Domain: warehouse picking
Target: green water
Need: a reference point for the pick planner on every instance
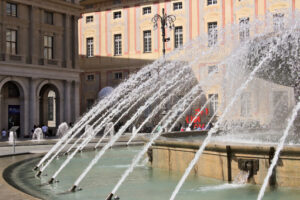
(144, 183)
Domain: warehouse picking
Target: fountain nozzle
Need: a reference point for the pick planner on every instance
(39, 173)
(110, 196)
(51, 181)
(35, 168)
(73, 189)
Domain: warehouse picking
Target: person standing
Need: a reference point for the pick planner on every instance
(3, 133)
(45, 130)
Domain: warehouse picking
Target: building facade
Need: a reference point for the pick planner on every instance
(114, 31)
(39, 74)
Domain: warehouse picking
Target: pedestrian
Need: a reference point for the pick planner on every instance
(3, 133)
(45, 130)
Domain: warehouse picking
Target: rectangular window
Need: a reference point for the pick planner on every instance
(50, 108)
(147, 41)
(146, 10)
(213, 69)
(177, 6)
(244, 28)
(89, 19)
(48, 17)
(89, 47)
(11, 9)
(212, 2)
(48, 47)
(213, 105)
(117, 15)
(11, 42)
(245, 104)
(212, 33)
(118, 75)
(118, 44)
(90, 77)
(178, 37)
(278, 21)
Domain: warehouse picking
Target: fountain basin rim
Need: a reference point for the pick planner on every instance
(260, 149)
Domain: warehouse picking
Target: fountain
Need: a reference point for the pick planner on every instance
(38, 134)
(251, 97)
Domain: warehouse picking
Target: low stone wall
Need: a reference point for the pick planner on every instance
(220, 161)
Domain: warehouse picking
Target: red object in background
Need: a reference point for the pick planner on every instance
(197, 120)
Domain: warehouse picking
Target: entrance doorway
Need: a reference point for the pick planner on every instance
(12, 106)
(49, 108)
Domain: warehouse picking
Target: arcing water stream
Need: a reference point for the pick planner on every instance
(149, 90)
(220, 120)
(279, 148)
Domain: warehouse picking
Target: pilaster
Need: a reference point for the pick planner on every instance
(33, 103)
(67, 101)
(77, 100)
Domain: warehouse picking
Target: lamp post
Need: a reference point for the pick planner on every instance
(167, 21)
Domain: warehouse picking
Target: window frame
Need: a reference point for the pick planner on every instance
(9, 7)
(177, 6)
(89, 19)
(212, 2)
(244, 31)
(48, 47)
(147, 41)
(48, 17)
(212, 68)
(278, 21)
(178, 37)
(214, 103)
(10, 42)
(50, 108)
(90, 77)
(118, 75)
(89, 47)
(117, 15)
(145, 9)
(212, 39)
(117, 44)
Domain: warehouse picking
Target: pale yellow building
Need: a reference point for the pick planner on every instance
(117, 37)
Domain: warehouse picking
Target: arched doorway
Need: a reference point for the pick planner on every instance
(12, 107)
(49, 108)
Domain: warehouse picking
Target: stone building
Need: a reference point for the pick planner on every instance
(39, 74)
(116, 37)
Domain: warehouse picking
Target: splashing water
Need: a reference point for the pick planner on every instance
(214, 129)
(279, 148)
(163, 90)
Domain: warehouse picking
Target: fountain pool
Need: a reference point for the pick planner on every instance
(145, 182)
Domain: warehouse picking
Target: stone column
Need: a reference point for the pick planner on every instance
(2, 30)
(67, 101)
(77, 100)
(34, 36)
(67, 41)
(75, 41)
(33, 103)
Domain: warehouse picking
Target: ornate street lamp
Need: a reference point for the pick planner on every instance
(167, 21)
